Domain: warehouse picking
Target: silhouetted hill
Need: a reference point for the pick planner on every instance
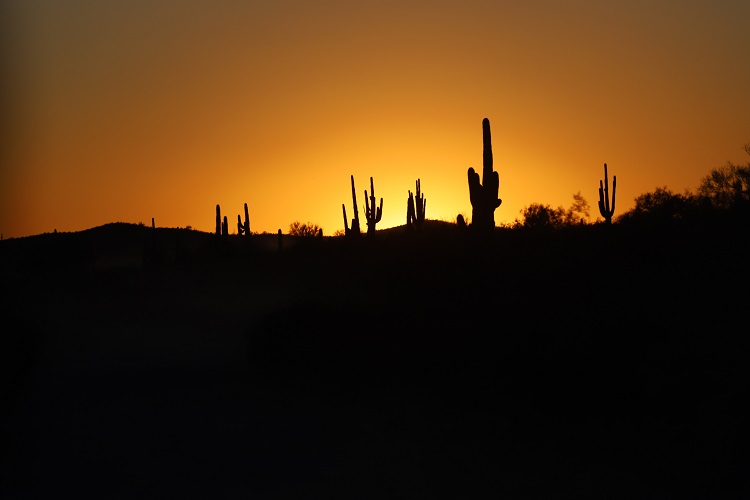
(593, 361)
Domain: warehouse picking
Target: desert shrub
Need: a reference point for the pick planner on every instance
(661, 205)
(727, 186)
(307, 229)
(538, 215)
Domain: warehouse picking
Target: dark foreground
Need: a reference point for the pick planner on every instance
(594, 363)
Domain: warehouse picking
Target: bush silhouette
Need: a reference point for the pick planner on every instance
(727, 186)
(306, 229)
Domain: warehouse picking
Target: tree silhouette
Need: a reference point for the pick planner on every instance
(727, 186)
(307, 229)
(578, 211)
(539, 215)
(660, 205)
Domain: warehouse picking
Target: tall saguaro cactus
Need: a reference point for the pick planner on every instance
(415, 209)
(372, 214)
(218, 220)
(354, 230)
(605, 208)
(483, 195)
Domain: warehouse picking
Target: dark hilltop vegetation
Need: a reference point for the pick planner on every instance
(549, 359)
(588, 361)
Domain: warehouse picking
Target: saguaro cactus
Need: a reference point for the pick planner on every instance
(483, 195)
(218, 220)
(240, 227)
(372, 214)
(225, 227)
(354, 230)
(246, 226)
(605, 208)
(415, 210)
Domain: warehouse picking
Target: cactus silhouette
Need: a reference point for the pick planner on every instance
(218, 220)
(483, 195)
(240, 227)
(372, 214)
(605, 209)
(225, 227)
(354, 230)
(415, 210)
(246, 225)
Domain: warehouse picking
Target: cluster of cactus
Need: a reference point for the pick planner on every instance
(354, 230)
(605, 208)
(415, 209)
(222, 224)
(243, 228)
(484, 195)
(373, 213)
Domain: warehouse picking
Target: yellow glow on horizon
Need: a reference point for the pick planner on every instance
(128, 113)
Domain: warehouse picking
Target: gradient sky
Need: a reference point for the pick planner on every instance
(120, 111)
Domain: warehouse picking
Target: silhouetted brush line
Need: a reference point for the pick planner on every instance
(484, 195)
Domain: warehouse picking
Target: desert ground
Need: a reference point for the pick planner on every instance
(598, 361)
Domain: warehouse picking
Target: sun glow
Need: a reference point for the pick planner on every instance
(131, 113)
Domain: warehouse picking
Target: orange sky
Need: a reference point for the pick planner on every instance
(124, 111)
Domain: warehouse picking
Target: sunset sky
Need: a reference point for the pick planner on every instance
(120, 111)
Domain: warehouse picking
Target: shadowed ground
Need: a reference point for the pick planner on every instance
(594, 362)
